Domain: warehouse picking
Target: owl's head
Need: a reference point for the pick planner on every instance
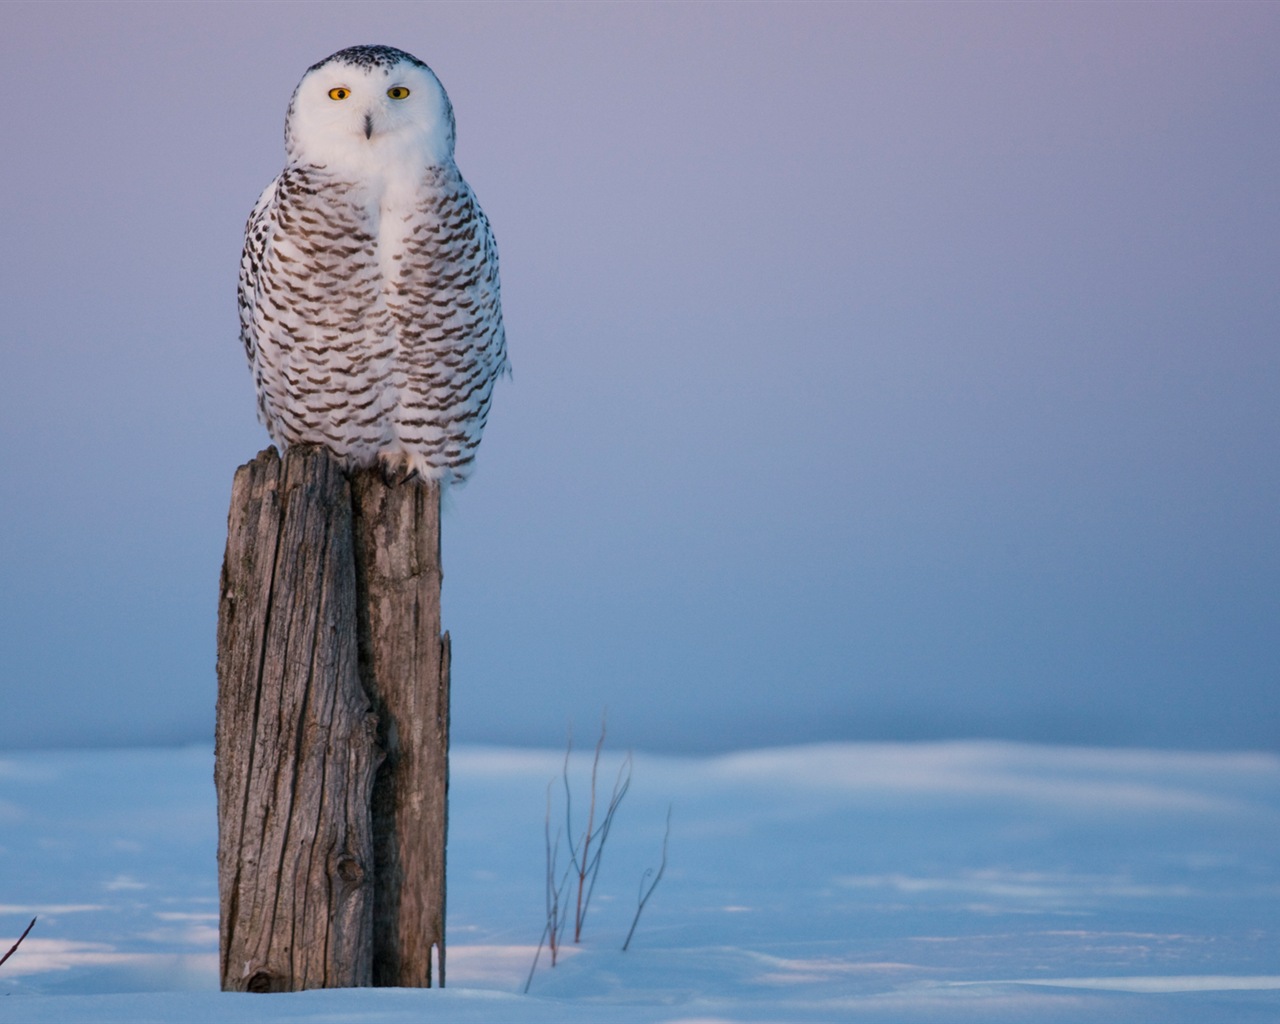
(368, 107)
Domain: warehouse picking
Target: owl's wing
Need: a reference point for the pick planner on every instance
(256, 232)
(489, 293)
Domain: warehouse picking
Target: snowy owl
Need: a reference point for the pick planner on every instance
(369, 304)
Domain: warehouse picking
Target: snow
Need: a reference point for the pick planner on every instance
(865, 882)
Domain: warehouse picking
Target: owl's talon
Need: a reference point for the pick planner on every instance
(395, 467)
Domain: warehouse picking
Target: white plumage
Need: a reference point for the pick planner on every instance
(369, 302)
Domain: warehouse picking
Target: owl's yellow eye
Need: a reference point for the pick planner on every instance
(398, 92)
(339, 93)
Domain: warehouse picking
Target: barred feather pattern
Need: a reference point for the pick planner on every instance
(371, 316)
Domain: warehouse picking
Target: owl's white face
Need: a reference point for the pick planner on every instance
(369, 116)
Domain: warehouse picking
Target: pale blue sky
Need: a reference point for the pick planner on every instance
(881, 371)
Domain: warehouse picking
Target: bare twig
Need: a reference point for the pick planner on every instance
(584, 861)
(587, 837)
(646, 893)
(553, 930)
(14, 948)
(620, 786)
(585, 852)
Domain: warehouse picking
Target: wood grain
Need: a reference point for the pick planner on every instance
(332, 730)
(404, 663)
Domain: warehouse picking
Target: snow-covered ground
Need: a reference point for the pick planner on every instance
(872, 882)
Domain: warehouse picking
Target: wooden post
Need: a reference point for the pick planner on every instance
(404, 662)
(332, 729)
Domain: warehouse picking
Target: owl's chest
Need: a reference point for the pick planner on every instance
(385, 232)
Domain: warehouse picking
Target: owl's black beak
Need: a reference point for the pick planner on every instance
(368, 126)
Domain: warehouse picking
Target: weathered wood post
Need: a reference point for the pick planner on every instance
(332, 729)
(404, 663)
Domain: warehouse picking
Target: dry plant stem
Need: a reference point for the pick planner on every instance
(555, 923)
(584, 854)
(553, 894)
(586, 839)
(537, 953)
(548, 929)
(554, 928)
(620, 786)
(14, 948)
(583, 861)
(646, 893)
